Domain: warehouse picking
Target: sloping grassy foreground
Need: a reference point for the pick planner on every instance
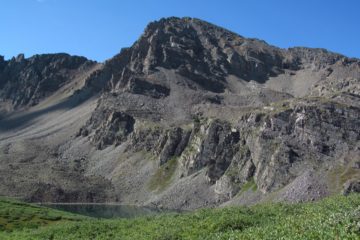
(332, 218)
(16, 215)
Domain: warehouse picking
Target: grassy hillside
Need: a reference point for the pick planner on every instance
(16, 215)
(332, 218)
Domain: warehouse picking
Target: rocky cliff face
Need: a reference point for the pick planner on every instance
(193, 115)
(25, 82)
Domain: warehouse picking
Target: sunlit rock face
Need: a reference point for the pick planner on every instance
(190, 115)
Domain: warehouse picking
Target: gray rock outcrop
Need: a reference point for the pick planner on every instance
(190, 115)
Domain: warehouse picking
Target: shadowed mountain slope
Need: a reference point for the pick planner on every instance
(190, 115)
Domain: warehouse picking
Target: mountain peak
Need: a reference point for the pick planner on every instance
(175, 25)
(190, 109)
(199, 51)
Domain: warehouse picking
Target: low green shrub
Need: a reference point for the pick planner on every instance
(332, 218)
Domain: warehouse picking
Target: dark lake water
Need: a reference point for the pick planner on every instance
(105, 210)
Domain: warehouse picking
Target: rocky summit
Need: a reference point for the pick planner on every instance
(191, 115)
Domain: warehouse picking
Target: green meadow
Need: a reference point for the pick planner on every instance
(336, 217)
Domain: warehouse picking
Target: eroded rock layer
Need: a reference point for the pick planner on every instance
(190, 115)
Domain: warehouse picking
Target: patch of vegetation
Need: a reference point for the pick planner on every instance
(280, 106)
(162, 178)
(17, 215)
(349, 173)
(249, 185)
(232, 172)
(144, 125)
(340, 174)
(333, 218)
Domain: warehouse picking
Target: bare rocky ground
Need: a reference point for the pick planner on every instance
(192, 115)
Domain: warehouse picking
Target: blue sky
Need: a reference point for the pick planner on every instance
(98, 29)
